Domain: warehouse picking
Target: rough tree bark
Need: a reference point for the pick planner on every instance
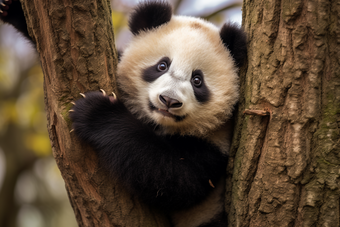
(286, 167)
(76, 46)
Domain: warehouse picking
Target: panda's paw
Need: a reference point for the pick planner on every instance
(92, 100)
(92, 95)
(94, 109)
(4, 7)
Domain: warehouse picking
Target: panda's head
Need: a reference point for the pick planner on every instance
(180, 72)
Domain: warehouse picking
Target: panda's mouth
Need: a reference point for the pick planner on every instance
(166, 113)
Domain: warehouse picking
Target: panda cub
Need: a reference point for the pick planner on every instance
(166, 133)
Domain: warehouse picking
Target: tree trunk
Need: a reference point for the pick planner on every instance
(286, 166)
(76, 46)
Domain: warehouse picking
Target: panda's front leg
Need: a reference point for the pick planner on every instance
(168, 172)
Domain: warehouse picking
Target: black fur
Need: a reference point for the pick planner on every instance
(119, 55)
(202, 93)
(151, 74)
(235, 40)
(12, 14)
(220, 220)
(149, 15)
(169, 172)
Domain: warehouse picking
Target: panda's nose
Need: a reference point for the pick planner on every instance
(170, 102)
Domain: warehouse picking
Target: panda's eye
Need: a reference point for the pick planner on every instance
(162, 66)
(197, 81)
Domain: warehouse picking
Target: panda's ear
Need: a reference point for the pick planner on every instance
(234, 38)
(149, 15)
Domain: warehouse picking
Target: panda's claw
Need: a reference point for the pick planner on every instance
(73, 103)
(71, 130)
(1, 11)
(104, 93)
(114, 95)
(3, 4)
(70, 111)
(82, 95)
(211, 184)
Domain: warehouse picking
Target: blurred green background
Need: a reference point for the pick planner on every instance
(32, 192)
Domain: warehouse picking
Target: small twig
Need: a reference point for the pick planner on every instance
(256, 112)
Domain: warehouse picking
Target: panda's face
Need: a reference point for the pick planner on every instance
(179, 76)
(177, 89)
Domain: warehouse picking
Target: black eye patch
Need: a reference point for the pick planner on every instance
(151, 73)
(201, 91)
